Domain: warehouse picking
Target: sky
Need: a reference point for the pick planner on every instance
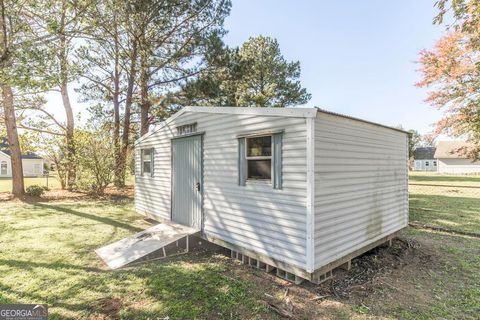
(357, 57)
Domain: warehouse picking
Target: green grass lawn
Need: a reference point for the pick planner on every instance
(53, 183)
(47, 256)
(447, 201)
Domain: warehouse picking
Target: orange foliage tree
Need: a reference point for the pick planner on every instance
(451, 70)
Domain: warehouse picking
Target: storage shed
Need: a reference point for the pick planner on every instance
(302, 190)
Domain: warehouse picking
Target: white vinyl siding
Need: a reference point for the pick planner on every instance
(425, 165)
(256, 216)
(32, 167)
(458, 166)
(360, 185)
(3, 168)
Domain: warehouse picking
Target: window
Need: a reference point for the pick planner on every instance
(36, 168)
(147, 161)
(186, 129)
(434, 163)
(259, 158)
(427, 163)
(3, 168)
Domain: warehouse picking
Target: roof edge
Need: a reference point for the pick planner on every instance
(361, 120)
(279, 112)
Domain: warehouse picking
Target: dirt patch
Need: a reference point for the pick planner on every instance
(107, 308)
(371, 276)
(370, 270)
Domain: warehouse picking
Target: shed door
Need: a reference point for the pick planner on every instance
(187, 181)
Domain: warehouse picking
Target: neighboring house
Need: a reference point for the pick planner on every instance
(302, 190)
(424, 159)
(452, 159)
(32, 163)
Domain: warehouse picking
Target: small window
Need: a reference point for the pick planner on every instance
(434, 163)
(147, 157)
(259, 158)
(427, 163)
(186, 129)
(3, 169)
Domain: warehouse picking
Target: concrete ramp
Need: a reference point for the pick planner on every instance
(137, 246)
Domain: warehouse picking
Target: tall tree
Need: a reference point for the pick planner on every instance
(21, 45)
(139, 50)
(256, 74)
(451, 70)
(268, 80)
(174, 38)
(105, 57)
(18, 188)
(110, 58)
(64, 21)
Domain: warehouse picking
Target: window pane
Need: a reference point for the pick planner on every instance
(259, 147)
(146, 154)
(146, 166)
(259, 169)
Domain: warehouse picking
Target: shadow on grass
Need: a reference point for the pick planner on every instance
(179, 290)
(455, 213)
(29, 265)
(105, 220)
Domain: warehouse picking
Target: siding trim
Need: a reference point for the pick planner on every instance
(310, 220)
(407, 202)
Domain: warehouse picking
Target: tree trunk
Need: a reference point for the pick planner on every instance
(126, 120)
(144, 101)
(18, 188)
(72, 170)
(116, 112)
(63, 60)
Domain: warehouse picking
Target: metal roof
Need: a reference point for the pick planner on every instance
(281, 112)
(361, 120)
(424, 153)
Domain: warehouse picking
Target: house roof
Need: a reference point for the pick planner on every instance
(6, 150)
(283, 112)
(452, 149)
(424, 153)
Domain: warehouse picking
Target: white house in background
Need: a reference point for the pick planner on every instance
(302, 190)
(32, 163)
(452, 159)
(424, 159)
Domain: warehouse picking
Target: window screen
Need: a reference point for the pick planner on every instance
(147, 161)
(259, 158)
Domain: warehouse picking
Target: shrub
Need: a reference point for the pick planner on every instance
(95, 160)
(35, 190)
